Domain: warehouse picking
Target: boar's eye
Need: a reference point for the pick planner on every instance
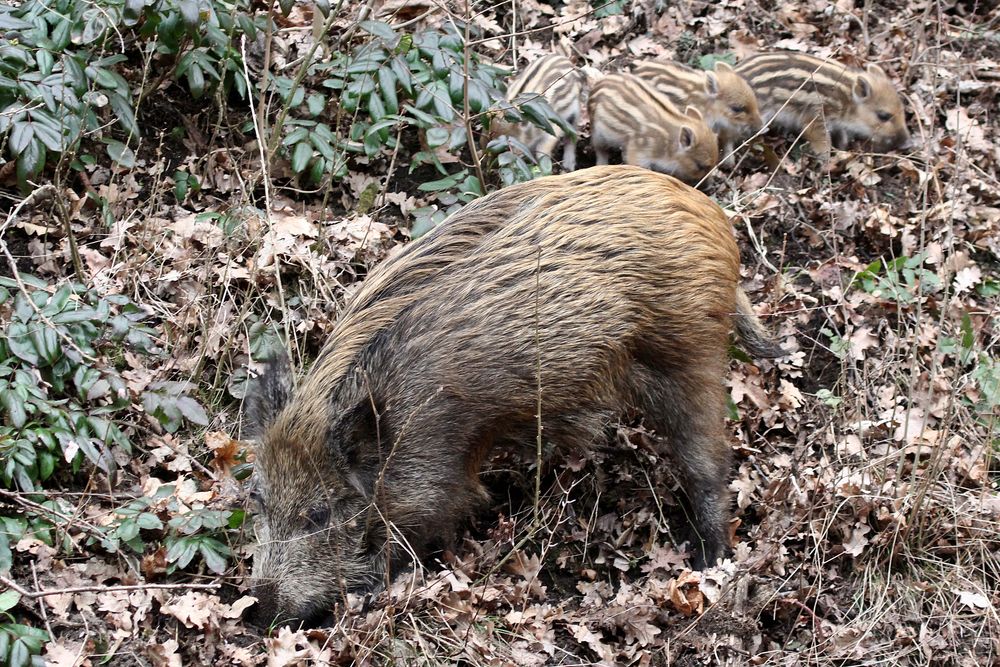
(738, 108)
(257, 501)
(884, 116)
(318, 517)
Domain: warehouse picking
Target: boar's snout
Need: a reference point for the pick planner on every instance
(265, 613)
(273, 609)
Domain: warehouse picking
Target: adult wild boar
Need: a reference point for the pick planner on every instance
(618, 283)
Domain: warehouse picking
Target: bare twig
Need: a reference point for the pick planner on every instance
(69, 521)
(538, 404)
(473, 151)
(10, 583)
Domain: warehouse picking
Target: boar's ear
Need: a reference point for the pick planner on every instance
(267, 394)
(711, 84)
(686, 137)
(355, 443)
(862, 88)
(723, 66)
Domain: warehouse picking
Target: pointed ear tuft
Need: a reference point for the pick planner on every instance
(686, 137)
(862, 88)
(875, 70)
(356, 444)
(267, 395)
(711, 84)
(692, 112)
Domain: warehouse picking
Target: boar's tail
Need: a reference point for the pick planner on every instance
(753, 337)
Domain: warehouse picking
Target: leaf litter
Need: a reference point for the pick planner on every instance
(867, 514)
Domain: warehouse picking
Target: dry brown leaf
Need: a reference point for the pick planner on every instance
(685, 594)
(194, 609)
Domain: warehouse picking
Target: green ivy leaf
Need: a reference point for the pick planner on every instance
(21, 135)
(387, 84)
(437, 136)
(301, 155)
(20, 345)
(315, 103)
(122, 107)
(46, 343)
(8, 599)
(121, 154)
(214, 553)
(192, 410)
(196, 80)
(190, 15)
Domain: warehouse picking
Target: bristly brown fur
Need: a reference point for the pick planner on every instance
(434, 363)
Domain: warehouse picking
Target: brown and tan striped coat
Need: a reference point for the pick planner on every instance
(562, 85)
(723, 97)
(627, 114)
(829, 103)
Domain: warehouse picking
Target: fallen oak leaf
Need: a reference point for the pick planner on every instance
(224, 448)
(685, 595)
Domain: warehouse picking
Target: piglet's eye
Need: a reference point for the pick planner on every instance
(737, 108)
(884, 116)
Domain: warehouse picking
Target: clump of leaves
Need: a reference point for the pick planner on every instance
(57, 85)
(20, 645)
(901, 280)
(397, 85)
(189, 532)
(60, 404)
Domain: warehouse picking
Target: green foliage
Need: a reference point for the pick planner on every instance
(190, 531)
(197, 533)
(20, 645)
(58, 83)
(708, 61)
(399, 88)
(984, 372)
(829, 398)
(390, 84)
(57, 404)
(839, 346)
(903, 280)
(128, 523)
(16, 528)
(603, 8)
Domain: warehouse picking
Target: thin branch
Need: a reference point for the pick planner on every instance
(465, 104)
(100, 589)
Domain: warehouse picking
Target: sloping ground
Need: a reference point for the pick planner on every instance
(866, 488)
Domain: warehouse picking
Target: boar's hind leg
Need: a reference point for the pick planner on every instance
(687, 409)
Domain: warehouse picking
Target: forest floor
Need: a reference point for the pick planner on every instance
(866, 501)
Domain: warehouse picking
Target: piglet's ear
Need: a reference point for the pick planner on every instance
(876, 71)
(686, 137)
(862, 88)
(267, 395)
(711, 84)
